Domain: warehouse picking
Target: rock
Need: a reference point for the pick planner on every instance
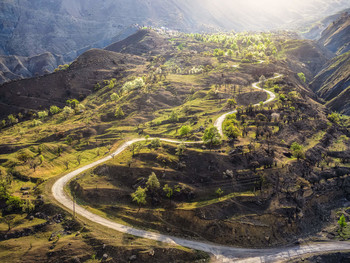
(104, 257)
(267, 238)
(31, 218)
(133, 257)
(104, 246)
(24, 188)
(77, 234)
(151, 253)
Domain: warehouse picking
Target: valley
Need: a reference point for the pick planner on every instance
(180, 147)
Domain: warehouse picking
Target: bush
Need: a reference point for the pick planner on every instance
(14, 204)
(36, 123)
(155, 143)
(174, 117)
(185, 130)
(132, 85)
(67, 111)
(43, 114)
(54, 110)
(114, 96)
(302, 77)
(119, 113)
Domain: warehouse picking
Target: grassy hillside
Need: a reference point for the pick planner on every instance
(274, 166)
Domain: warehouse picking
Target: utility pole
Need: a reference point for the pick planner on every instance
(74, 205)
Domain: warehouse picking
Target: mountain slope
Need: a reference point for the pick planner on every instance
(314, 31)
(337, 35)
(333, 81)
(63, 26)
(75, 82)
(142, 42)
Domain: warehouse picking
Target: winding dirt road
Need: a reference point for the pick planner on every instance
(221, 253)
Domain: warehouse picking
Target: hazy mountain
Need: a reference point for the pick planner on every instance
(314, 31)
(66, 26)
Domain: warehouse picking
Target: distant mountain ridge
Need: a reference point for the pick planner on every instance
(32, 27)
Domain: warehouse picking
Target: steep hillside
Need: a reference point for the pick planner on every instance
(333, 81)
(15, 67)
(305, 56)
(75, 82)
(336, 37)
(341, 103)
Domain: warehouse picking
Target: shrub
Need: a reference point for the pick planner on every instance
(54, 110)
(302, 77)
(43, 114)
(132, 85)
(184, 130)
(119, 113)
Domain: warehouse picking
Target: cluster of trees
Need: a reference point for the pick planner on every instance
(10, 204)
(244, 45)
(61, 67)
(136, 84)
(153, 188)
(231, 127)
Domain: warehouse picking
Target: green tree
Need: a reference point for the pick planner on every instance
(9, 220)
(13, 204)
(219, 192)
(174, 117)
(54, 110)
(119, 113)
(185, 130)
(211, 137)
(155, 143)
(67, 111)
(28, 206)
(12, 119)
(297, 150)
(342, 222)
(334, 117)
(231, 103)
(114, 96)
(43, 114)
(139, 197)
(153, 182)
(232, 131)
(180, 149)
(135, 148)
(302, 77)
(72, 103)
(168, 191)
